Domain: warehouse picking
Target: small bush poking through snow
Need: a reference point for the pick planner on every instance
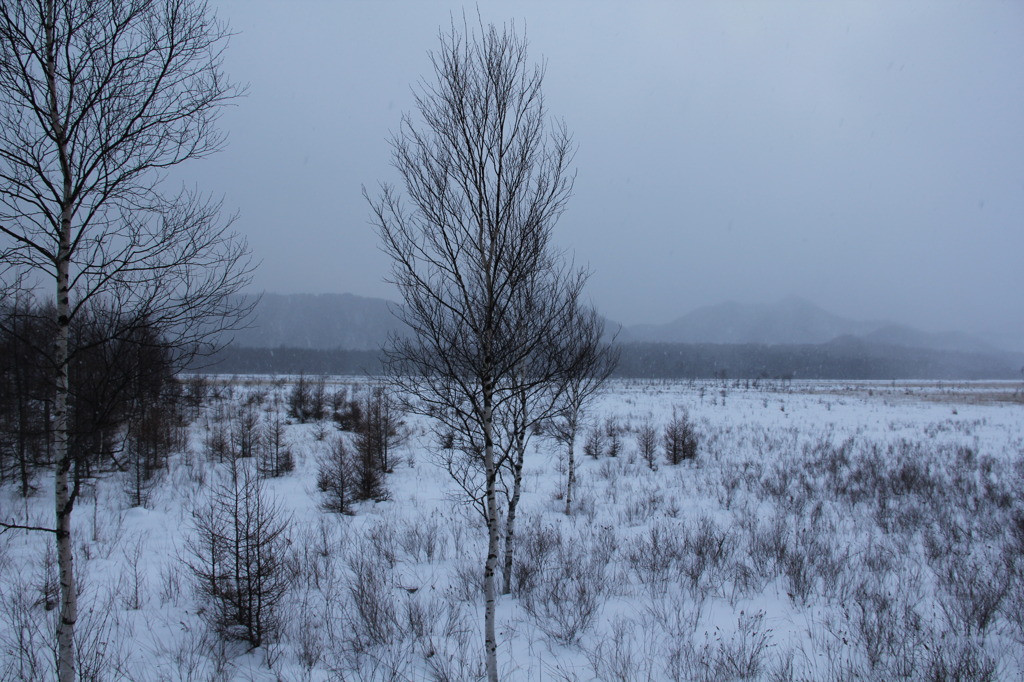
(680, 438)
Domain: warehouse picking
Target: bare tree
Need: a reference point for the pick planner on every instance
(97, 100)
(237, 556)
(377, 434)
(152, 421)
(23, 398)
(276, 457)
(336, 477)
(647, 443)
(246, 432)
(379, 430)
(515, 425)
(300, 400)
(486, 178)
(579, 359)
(595, 362)
(680, 439)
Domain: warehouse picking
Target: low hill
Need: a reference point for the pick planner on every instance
(343, 334)
(793, 320)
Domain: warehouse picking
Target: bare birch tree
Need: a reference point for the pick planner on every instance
(595, 362)
(572, 371)
(97, 101)
(535, 395)
(486, 177)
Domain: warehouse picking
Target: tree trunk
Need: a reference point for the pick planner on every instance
(64, 499)
(513, 504)
(490, 566)
(23, 427)
(571, 482)
(63, 495)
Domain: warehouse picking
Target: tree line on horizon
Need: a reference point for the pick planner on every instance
(652, 360)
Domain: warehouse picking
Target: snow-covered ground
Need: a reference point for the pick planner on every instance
(825, 531)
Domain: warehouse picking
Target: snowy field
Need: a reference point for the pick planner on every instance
(825, 531)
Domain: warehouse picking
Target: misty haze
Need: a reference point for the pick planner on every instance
(725, 154)
(846, 155)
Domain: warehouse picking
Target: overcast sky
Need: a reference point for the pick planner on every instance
(868, 156)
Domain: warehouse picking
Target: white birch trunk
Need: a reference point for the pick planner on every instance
(513, 505)
(63, 494)
(63, 498)
(490, 566)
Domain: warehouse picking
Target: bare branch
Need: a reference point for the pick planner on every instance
(97, 100)
(4, 527)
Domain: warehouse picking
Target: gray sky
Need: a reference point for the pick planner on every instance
(868, 156)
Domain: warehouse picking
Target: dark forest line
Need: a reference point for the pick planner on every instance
(842, 359)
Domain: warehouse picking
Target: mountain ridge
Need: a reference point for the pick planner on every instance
(343, 333)
(352, 322)
(794, 320)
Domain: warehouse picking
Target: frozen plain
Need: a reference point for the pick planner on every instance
(826, 530)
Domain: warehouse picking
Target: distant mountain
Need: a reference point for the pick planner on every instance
(318, 321)
(793, 320)
(343, 333)
(326, 322)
